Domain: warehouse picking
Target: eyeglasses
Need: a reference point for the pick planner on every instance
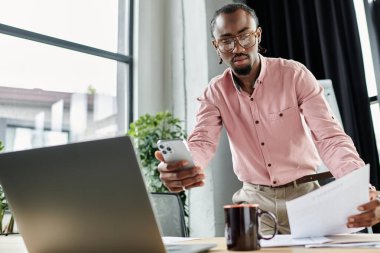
(246, 40)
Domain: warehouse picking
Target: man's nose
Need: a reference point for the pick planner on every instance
(238, 48)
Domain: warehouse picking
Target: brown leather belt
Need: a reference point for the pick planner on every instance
(307, 178)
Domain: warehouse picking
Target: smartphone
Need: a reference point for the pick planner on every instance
(175, 151)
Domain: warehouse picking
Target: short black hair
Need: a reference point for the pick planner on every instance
(231, 8)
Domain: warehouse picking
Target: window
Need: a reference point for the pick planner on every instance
(368, 57)
(65, 71)
(87, 22)
(375, 111)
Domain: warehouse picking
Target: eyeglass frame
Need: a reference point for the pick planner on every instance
(236, 40)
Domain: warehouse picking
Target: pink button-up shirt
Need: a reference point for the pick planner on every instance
(266, 130)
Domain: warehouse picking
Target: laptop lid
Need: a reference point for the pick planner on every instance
(80, 197)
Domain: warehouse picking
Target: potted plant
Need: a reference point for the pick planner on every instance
(3, 201)
(147, 130)
(4, 208)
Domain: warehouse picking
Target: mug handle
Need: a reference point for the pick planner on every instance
(274, 219)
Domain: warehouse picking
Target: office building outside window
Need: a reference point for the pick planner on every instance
(65, 71)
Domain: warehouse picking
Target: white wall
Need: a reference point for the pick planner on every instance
(225, 183)
(149, 54)
(174, 62)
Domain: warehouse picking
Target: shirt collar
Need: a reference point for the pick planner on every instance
(263, 69)
(235, 81)
(259, 79)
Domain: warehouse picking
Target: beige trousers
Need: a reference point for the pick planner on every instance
(272, 200)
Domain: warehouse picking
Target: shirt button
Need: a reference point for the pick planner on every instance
(280, 114)
(251, 99)
(257, 122)
(262, 144)
(274, 182)
(269, 164)
(332, 117)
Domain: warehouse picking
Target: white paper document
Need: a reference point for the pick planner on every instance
(287, 240)
(350, 241)
(325, 211)
(346, 245)
(12, 244)
(173, 239)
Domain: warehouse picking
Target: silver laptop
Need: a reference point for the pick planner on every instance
(82, 197)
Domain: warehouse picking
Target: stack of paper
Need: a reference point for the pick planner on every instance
(350, 241)
(333, 241)
(287, 240)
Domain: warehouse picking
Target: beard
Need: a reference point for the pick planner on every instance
(243, 71)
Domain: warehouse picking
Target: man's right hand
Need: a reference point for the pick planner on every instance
(177, 180)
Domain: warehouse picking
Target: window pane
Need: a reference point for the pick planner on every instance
(90, 22)
(366, 48)
(375, 110)
(30, 65)
(54, 95)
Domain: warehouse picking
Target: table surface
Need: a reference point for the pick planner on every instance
(15, 244)
(220, 241)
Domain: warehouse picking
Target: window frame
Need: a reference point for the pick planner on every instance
(124, 85)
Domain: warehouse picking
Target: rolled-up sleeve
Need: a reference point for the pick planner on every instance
(205, 135)
(335, 147)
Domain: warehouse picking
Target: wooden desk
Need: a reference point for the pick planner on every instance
(220, 241)
(15, 244)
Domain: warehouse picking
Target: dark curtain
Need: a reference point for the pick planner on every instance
(324, 36)
(376, 20)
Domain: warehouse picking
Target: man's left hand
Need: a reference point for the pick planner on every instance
(370, 212)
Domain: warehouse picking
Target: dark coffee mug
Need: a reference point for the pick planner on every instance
(242, 226)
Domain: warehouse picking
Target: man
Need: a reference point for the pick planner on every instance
(261, 102)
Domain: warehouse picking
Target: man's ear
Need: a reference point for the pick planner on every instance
(258, 32)
(215, 45)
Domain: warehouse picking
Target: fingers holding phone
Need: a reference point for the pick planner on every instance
(177, 169)
(179, 179)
